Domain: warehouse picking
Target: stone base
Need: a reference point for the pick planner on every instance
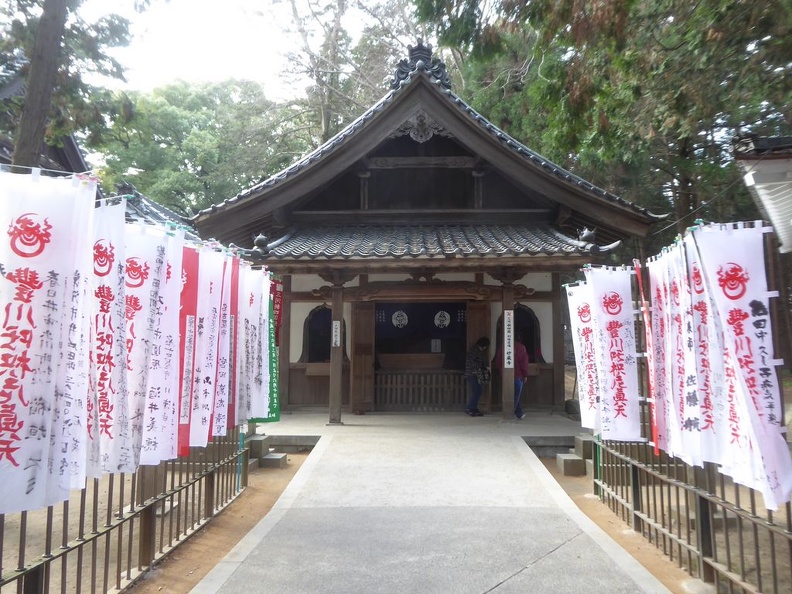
(273, 460)
(571, 464)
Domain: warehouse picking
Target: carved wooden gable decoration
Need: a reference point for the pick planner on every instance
(420, 178)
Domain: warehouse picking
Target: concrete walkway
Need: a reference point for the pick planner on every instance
(435, 503)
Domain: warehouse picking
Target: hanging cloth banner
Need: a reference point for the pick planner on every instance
(251, 344)
(262, 365)
(109, 427)
(669, 369)
(222, 381)
(734, 269)
(276, 290)
(233, 317)
(273, 400)
(650, 355)
(708, 345)
(145, 274)
(159, 427)
(170, 352)
(45, 255)
(686, 410)
(582, 327)
(211, 265)
(187, 314)
(662, 361)
(615, 345)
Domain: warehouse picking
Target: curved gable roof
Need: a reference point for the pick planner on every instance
(419, 86)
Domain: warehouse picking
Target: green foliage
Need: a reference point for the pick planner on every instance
(191, 145)
(642, 98)
(76, 105)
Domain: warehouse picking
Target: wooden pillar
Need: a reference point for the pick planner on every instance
(507, 340)
(559, 393)
(336, 354)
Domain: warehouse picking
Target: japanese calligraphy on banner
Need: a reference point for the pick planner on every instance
(582, 328)
(252, 375)
(162, 380)
(222, 383)
(684, 412)
(508, 339)
(188, 304)
(144, 278)
(273, 399)
(211, 266)
(109, 432)
(233, 316)
(615, 346)
(45, 255)
(261, 410)
(707, 338)
(108, 358)
(168, 351)
(662, 360)
(732, 260)
(276, 289)
(650, 354)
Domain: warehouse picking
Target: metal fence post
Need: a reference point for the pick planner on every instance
(635, 485)
(147, 488)
(209, 500)
(704, 525)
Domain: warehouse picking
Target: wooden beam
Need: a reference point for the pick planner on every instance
(422, 217)
(421, 162)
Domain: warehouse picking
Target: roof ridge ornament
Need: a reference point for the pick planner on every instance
(420, 59)
(421, 127)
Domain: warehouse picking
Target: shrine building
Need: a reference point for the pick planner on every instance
(405, 238)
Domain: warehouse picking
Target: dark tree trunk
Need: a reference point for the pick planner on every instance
(41, 80)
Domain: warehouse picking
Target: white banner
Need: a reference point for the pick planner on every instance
(45, 256)
(222, 387)
(145, 272)
(708, 345)
(733, 267)
(207, 332)
(162, 378)
(686, 410)
(169, 355)
(615, 345)
(661, 341)
(109, 429)
(582, 329)
(252, 350)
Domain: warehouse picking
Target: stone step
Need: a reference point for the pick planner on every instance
(273, 460)
(571, 464)
(259, 445)
(583, 445)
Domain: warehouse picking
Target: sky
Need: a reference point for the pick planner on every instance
(204, 40)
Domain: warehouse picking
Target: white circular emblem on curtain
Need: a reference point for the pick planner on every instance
(399, 319)
(442, 319)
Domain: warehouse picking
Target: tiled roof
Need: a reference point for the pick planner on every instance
(360, 123)
(423, 241)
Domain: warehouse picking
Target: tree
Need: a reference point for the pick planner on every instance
(347, 76)
(49, 47)
(664, 85)
(41, 80)
(188, 146)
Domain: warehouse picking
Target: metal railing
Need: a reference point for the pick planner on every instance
(107, 535)
(716, 530)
